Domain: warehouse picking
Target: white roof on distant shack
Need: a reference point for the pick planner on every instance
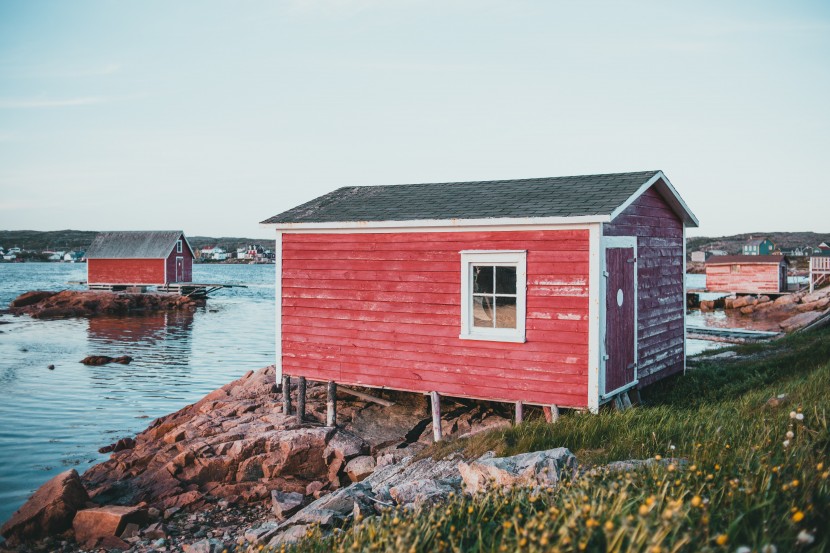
(135, 244)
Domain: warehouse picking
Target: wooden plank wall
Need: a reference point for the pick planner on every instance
(383, 309)
(753, 277)
(188, 265)
(661, 304)
(125, 271)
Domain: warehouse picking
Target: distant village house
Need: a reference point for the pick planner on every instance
(759, 246)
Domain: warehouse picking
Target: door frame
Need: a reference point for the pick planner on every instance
(179, 276)
(610, 242)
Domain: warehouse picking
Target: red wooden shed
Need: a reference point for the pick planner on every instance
(552, 291)
(137, 258)
(747, 274)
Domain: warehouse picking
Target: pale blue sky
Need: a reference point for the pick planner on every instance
(212, 116)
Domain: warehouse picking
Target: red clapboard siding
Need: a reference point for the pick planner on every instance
(660, 302)
(384, 309)
(752, 277)
(125, 271)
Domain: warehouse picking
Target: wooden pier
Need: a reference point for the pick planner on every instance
(189, 289)
(819, 271)
(730, 335)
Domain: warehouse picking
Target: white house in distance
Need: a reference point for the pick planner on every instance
(215, 253)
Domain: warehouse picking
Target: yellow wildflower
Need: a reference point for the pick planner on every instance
(696, 501)
(798, 516)
(722, 539)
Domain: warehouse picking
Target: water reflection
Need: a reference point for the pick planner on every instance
(54, 419)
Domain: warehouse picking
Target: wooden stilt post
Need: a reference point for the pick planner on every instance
(435, 400)
(286, 394)
(519, 412)
(626, 401)
(551, 413)
(300, 399)
(636, 393)
(331, 404)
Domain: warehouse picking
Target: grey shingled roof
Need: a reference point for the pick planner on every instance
(134, 244)
(745, 259)
(541, 197)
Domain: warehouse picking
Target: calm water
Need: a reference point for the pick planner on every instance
(52, 420)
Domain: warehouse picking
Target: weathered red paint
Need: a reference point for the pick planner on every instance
(619, 323)
(660, 300)
(125, 271)
(383, 309)
(153, 271)
(746, 277)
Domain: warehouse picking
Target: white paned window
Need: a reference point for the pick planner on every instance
(179, 246)
(493, 295)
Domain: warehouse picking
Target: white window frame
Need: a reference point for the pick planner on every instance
(178, 246)
(497, 258)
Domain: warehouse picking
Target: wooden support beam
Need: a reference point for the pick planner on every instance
(286, 394)
(367, 397)
(301, 399)
(551, 413)
(331, 404)
(519, 412)
(637, 400)
(626, 400)
(435, 400)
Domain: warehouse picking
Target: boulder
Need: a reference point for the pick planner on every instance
(205, 546)
(746, 310)
(360, 467)
(261, 534)
(31, 298)
(799, 321)
(91, 525)
(788, 299)
(345, 445)
(285, 504)
(49, 511)
(742, 301)
(415, 494)
(290, 535)
(816, 296)
(536, 469)
(123, 443)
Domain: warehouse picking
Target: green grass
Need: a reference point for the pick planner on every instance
(738, 484)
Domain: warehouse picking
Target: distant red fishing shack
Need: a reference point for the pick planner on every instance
(138, 258)
(747, 274)
(563, 292)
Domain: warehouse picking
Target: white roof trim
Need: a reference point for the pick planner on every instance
(440, 223)
(186, 243)
(689, 219)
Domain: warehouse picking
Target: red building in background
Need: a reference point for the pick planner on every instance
(556, 291)
(139, 258)
(747, 274)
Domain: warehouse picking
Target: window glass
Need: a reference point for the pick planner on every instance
(483, 311)
(482, 279)
(505, 312)
(494, 288)
(505, 280)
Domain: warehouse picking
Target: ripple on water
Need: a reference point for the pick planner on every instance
(53, 420)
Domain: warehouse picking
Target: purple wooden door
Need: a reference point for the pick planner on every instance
(620, 336)
(179, 269)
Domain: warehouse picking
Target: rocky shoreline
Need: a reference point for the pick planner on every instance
(786, 313)
(83, 303)
(234, 467)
